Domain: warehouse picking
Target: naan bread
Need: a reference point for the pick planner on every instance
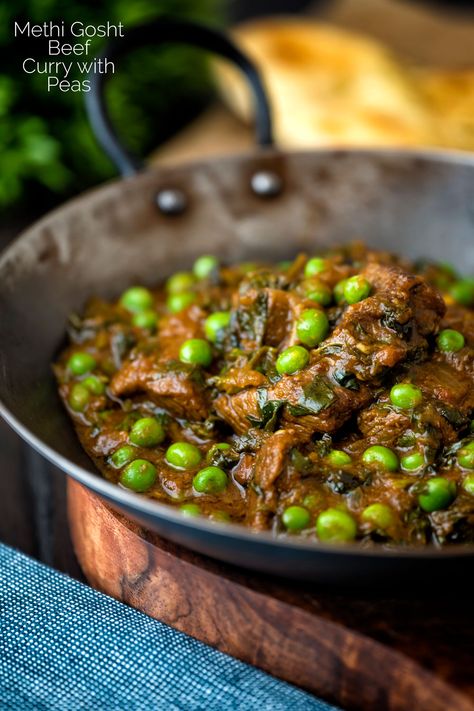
(330, 87)
(450, 95)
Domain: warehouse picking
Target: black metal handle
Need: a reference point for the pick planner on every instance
(160, 32)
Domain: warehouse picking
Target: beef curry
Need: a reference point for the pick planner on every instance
(329, 397)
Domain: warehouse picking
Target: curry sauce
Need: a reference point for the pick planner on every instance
(329, 397)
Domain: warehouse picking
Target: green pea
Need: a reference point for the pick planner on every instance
(179, 282)
(81, 363)
(94, 385)
(210, 480)
(147, 432)
(339, 295)
(312, 327)
(79, 397)
(215, 323)
(468, 484)
(316, 265)
(450, 341)
(338, 458)
(122, 456)
(136, 299)
(196, 351)
(190, 509)
(139, 475)
(295, 518)
(412, 462)
(183, 455)
(379, 515)
(335, 526)
(179, 302)
(291, 360)
(356, 289)
(204, 266)
(466, 456)
(463, 292)
(439, 493)
(405, 396)
(321, 294)
(382, 457)
(146, 320)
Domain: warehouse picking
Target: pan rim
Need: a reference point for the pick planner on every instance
(147, 507)
(440, 155)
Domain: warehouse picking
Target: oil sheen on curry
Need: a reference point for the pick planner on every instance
(330, 397)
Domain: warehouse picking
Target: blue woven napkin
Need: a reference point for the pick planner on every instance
(66, 646)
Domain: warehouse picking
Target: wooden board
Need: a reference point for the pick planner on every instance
(397, 654)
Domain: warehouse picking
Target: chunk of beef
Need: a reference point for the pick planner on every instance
(447, 386)
(235, 409)
(243, 470)
(382, 424)
(389, 326)
(175, 389)
(448, 401)
(174, 329)
(368, 341)
(365, 344)
(315, 403)
(414, 301)
(272, 458)
(284, 310)
(237, 379)
(267, 316)
(280, 317)
(270, 462)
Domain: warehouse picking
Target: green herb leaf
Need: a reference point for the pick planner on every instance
(346, 380)
(390, 320)
(453, 416)
(316, 397)
(269, 411)
(252, 320)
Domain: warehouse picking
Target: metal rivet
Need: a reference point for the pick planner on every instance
(266, 183)
(171, 202)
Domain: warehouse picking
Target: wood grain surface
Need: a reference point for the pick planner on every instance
(401, 653)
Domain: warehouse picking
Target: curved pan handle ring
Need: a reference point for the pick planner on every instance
(164, 31)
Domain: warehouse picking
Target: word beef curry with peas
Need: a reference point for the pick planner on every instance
(329, 397)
